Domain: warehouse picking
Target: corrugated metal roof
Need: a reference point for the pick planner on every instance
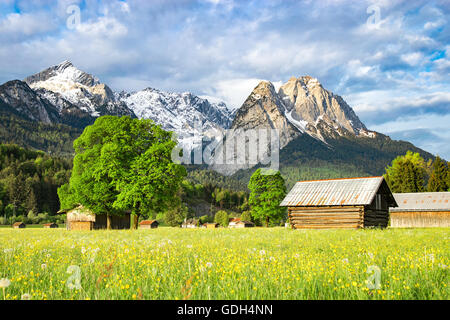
(335, 192)
(423, 201)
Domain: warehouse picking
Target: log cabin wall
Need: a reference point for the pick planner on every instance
(377, 213)
(328, 217)
(117, 222)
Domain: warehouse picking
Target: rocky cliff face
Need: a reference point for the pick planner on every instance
(301, 105)
(18, 96)
(265, 109)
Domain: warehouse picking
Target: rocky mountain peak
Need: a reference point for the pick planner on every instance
(76, 86)
(303, 104)
(264, 109)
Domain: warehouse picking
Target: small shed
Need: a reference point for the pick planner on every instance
(190, 223)
(233, 222)
(211, 225)
(243, 224)
(50, 226)
(421, 210)
(339, 203)
(149, 224)
(19, 225)
(82, 218)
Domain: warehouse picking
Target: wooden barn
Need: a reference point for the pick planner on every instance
(243, 224)
(421, 210)
(50, 226)
(149, 224)
(233, 222)
(19, 225)
(81, 218)
(339, 203)
(190, 223)
(212, 225)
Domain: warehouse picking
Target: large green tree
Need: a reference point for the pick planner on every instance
(123, 164)
(222, 218)
(438, 176)
(266, 193)
(407, 173)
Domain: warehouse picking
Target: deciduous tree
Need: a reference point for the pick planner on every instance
(266, 193)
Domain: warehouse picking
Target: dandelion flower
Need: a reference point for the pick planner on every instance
(43, 266)
(26, 296)
(4, 283)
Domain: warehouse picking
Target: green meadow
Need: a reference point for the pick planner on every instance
(256, 263)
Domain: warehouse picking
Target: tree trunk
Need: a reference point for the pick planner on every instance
(267, 222)
(135, 221)
(108, 222)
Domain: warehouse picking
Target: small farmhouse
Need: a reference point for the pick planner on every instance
(81, 218)
(243, 224)
(50, 226)
(211, 225)
(339, 203)
(190, 223)
(149, 224)
(426, 209)
(19, 225)
(233, 222)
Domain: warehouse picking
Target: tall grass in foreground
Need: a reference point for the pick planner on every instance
(277, 263)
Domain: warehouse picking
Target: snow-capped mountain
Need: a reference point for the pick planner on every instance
(176, 111)
(314, 124)
(65, 94)
(189, 116)
(66, 82)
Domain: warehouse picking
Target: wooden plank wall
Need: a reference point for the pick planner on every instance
(80, 225)
(376, 218)
(420, 219)
(342, 217)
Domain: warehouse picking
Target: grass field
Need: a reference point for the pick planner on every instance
(276, 263)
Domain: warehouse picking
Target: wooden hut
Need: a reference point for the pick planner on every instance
(190, 223)
(339, 203)
(149, 224)
(50, 226)
(233, 222)
(81, 218)
(416, 210)
(19, 225)
(243, 224)
(211, 225)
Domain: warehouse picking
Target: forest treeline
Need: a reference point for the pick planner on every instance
(28, 184)
(29, 181)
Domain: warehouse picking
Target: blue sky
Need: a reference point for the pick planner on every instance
(390, 60)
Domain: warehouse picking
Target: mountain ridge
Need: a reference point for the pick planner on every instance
(315, 124)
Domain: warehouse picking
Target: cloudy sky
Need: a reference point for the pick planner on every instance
(390, 60)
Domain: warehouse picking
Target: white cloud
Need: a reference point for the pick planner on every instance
(17, 24)
(413, 58)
